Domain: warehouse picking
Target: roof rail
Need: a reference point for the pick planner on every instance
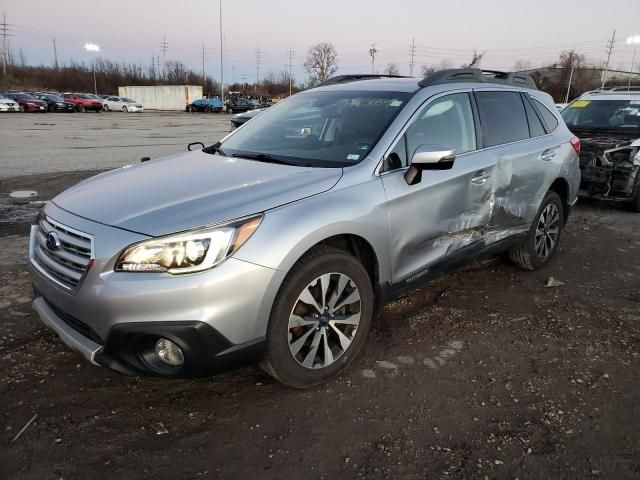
(355, 77)
(625, 89)
(476, 75)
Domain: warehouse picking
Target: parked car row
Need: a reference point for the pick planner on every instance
(12, 101)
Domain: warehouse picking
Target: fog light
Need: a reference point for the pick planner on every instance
(169, 352)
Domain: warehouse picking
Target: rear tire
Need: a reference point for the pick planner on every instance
(325, 339)
(543, 237)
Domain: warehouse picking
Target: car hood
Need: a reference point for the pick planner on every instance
(7, 101)
(190, 190)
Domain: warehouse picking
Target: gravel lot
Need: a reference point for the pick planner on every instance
(57, 142)
(485, 373)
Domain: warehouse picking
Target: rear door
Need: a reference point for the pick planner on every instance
(516, 139)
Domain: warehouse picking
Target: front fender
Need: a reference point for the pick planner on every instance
(289, 231)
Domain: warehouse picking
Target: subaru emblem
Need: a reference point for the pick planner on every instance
(53, 241)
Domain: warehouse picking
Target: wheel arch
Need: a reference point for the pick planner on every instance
(561, 186)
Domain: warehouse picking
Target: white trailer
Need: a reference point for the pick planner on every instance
(162, 97)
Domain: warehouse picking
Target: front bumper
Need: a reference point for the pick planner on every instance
(218, 317)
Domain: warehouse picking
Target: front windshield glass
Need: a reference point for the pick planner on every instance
(128, 100)
(86, 97)
(603, 115)
(25, 96)
(54, 98)
(318, 129)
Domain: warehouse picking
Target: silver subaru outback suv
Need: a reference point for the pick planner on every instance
(280, 243)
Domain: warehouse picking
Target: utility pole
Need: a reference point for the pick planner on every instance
(258, 61)
(55, 55)
(221, 58)
(610, 45)
(412, 54)
(4, 27)
(290, 70)
(153, 65)
(372, 54)
(573, 66)
(164, 46)
(203, 79)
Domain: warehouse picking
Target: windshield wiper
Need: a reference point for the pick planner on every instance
(262, 157)
(215, 148)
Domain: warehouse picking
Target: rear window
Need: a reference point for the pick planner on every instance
(502, 117)
(549, 118)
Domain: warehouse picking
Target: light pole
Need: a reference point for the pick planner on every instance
(633, 41)
(92, 47)
(221, 60)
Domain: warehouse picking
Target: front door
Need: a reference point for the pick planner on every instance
(448, 210)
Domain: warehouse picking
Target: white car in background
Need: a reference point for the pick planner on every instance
(8, 105)
(121, 104)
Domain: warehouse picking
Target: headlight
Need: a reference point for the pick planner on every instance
(60, 104)
(187, 252)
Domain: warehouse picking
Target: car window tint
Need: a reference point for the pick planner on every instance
(447, 121)
(549, 118)
(502, 117)
(535, 125)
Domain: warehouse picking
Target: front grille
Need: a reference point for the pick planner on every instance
(78, 325)
(68, 264)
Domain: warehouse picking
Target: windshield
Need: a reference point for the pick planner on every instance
(24, 96)
(54, 98)
(128, 100)
(603, 115)
(87, 97)
(319, 129)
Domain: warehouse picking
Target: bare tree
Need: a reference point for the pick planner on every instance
(392, 69)
(175, 72)
(521, 65)
(321, 62)
(444, 64)
(475, 60)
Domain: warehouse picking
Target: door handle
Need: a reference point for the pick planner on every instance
(480, 178)
(548, 154)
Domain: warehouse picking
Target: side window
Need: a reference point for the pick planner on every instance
(549, 118)
(448, 121)
(502, 117)
(535, 125)
(397, 157)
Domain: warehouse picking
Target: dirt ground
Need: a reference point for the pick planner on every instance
(486, 373)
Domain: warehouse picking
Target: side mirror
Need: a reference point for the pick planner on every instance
(194, 144)
(429, 157)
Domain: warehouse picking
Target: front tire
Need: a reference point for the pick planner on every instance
(320, 318)
(543, 237)
(81, 108)
(635, 203)
(125, 109)
(105, 107)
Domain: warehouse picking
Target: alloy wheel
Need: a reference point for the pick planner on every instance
(547, 231)
(324, 320)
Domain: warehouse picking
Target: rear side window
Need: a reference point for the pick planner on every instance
(549, 118)
(535, 125)
(502, 117)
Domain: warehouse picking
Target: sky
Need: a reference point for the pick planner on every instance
(508, 31)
